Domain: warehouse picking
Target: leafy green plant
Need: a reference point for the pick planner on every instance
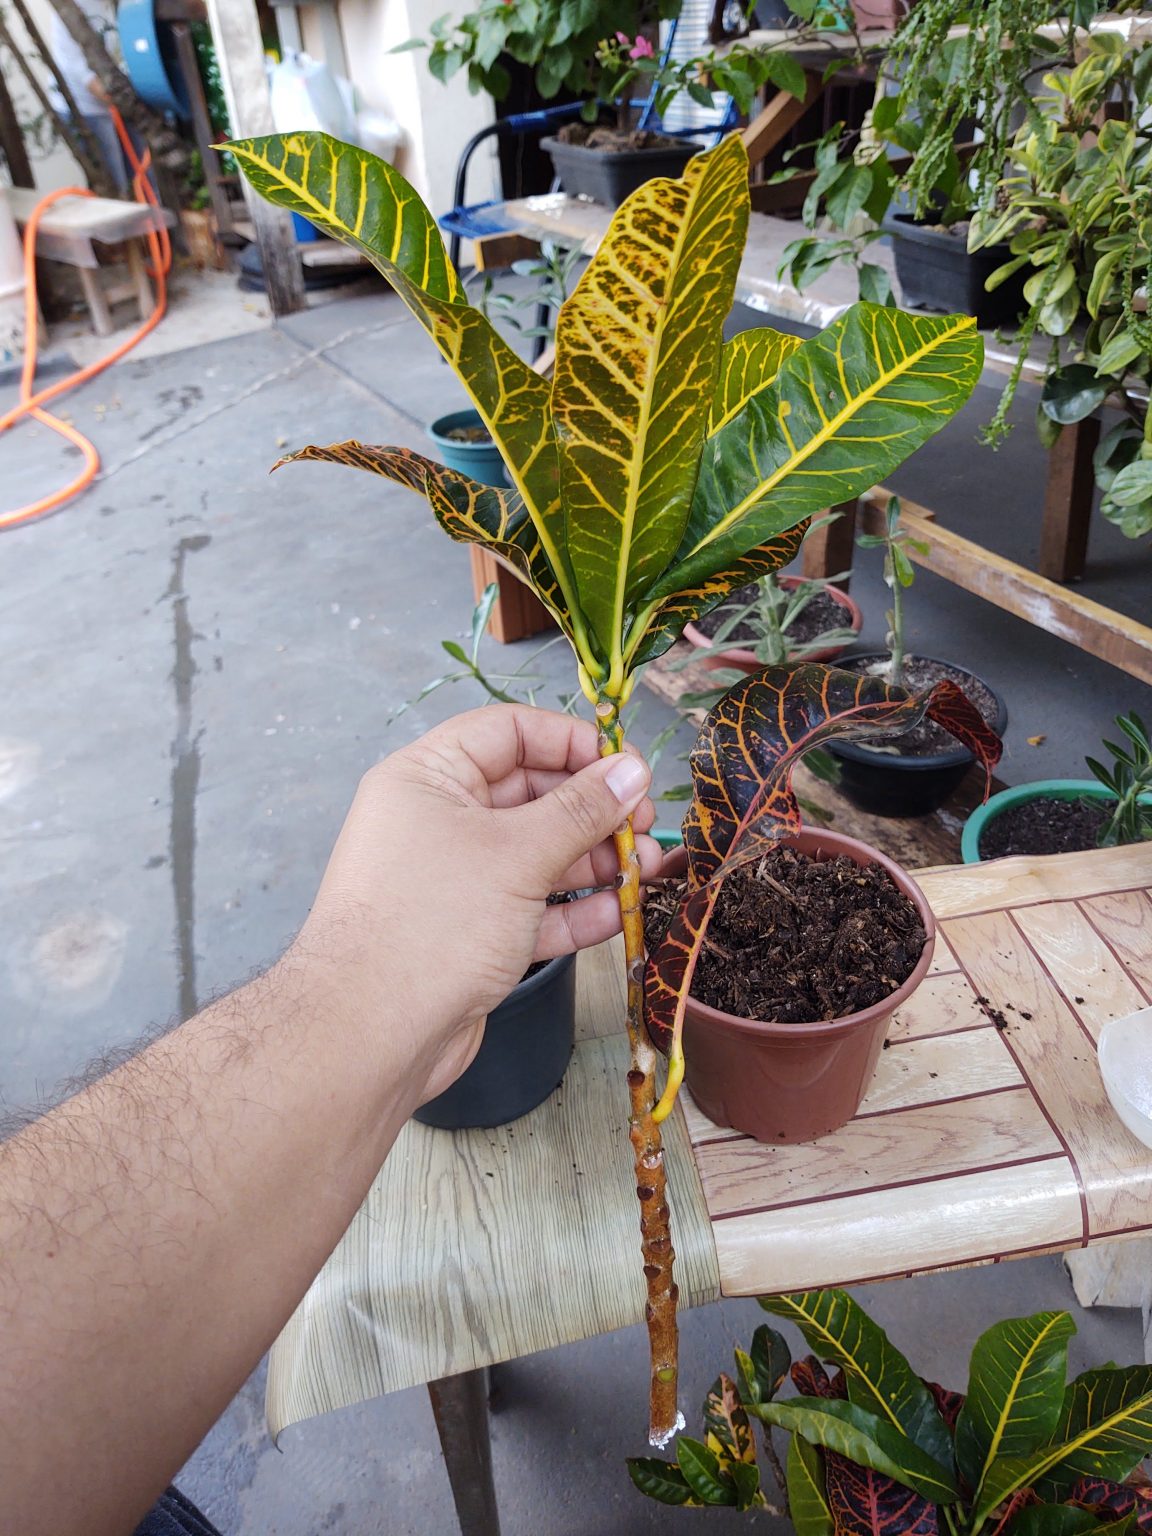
(598, 50)
(895, 541)
(1076, 209)
(553, 274)
(742, 800)
(1130, 780)
(659, 468)
(876, 1451)
(770, 613)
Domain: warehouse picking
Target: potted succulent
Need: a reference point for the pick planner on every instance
(774, 620)
(751, 984)
(915, 774)
(649, 476)
(1071, 815)
(877, 1451)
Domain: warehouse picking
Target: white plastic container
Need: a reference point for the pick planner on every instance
(1125, 1055)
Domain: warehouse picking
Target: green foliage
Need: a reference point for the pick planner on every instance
(662, 467)
(1075, 207)
(1023, 1454)
(769, 614)
(899, 574)
(553, 276)
(1129, 778)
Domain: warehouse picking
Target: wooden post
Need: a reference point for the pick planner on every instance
(1068, 502)
(517, 613)
(829, 551)
(240, 52)
(202, 126)
(460, 1405)
(781, 114)
(12, 144)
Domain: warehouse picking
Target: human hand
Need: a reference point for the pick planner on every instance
(434, 902)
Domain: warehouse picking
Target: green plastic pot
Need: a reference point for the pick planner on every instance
(667, 837)
(1041, 789)
(480, 461)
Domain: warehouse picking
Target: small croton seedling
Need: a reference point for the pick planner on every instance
(876, 1451)
(658, 469)
(743, 803)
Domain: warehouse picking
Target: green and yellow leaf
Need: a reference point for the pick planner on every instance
(1015, 1391)
(845, 408)
(748, 363)
(637, 352)
(361, 200)
(728, 1434)
(807, 1500)
(467, 511)
(877, 1374)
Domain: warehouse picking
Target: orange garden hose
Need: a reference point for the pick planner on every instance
(30, 403)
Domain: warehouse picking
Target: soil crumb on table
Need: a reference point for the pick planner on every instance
(1044, 826)
(795, 940)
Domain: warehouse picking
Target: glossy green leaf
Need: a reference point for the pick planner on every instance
(748, 363)
(764, 1368)
(846, 407)
(1053, 1520)
(1133, 484)
(1119, 352)
(359, 199)
(879, 1378)
(1015, 1391)
(1105, 1429)
(1072, 393)
(701, 1469)
(662, 1481)
(745, 1478)
(807, 1500)
(864, 1438)
(637, 351)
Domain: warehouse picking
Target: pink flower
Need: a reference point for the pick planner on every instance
(622, 37)
(641, 49)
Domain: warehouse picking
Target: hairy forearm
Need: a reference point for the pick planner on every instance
(157, 1230)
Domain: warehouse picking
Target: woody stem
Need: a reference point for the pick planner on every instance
(644, 1133)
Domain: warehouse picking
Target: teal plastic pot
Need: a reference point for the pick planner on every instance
(667, 837)
(1041, 789)
(481, 461)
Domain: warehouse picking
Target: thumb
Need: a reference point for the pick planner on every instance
(570, 820)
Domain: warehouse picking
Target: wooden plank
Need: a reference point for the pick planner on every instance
(1125, 921)
(910, 1073)
(1057, 1056)
(1090, 626)
(1094, 983)
(240, 53)
(974, 1218)
(479, 1246)
(830, 550)
(778, 117)
(1019, 882)
(898, 1151)
(1068, 495)
(601, 992)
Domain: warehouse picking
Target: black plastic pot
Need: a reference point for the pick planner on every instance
(935, 271)
(523, 1057)
(608, 177)
(890, 784)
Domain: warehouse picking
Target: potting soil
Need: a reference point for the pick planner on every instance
(1044, 826)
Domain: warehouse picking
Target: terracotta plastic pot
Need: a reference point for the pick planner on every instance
(795, 1082)
(745, 661)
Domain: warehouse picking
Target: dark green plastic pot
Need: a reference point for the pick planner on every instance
(1040, 789)
(480, 461)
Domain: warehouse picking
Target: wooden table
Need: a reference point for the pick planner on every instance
(986, 1135)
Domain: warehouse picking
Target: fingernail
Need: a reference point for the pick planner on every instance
(627, 778)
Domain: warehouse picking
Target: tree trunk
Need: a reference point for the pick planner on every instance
(12, 142)
(167, 147)
(73, 131)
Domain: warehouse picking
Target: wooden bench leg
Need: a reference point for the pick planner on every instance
(460, 1405)
(96, 301)
(518, 613)
(138, 272)
(828, 551)
(1068, 502)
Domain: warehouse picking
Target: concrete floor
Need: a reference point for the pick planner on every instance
(201, 663)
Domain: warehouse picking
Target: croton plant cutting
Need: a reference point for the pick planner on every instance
(876, 1451)
(658, 469)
